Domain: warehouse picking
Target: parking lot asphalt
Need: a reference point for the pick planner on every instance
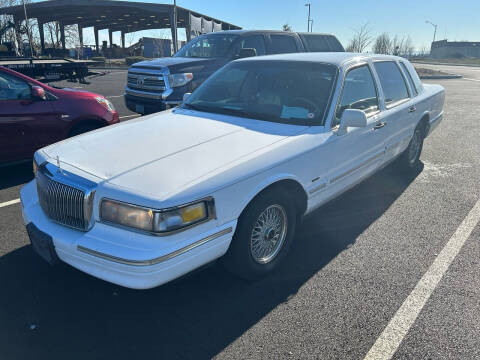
(354, 263)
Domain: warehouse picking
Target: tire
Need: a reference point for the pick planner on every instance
(244, 257)
(83, 128)
(410, 158)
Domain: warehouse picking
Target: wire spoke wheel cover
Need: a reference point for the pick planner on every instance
(268, 234)
(415, 146)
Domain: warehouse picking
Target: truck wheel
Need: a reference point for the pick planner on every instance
(410, 159)
(263, 236)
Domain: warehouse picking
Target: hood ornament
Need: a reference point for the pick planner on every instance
(59, 166)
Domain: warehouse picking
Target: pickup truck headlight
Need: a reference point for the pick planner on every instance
(156, 221)
(176, 80)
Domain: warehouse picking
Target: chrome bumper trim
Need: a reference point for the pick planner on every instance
(156, 260)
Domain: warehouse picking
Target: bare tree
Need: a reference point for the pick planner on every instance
(361, 39)
(383, 44)
(286, 27)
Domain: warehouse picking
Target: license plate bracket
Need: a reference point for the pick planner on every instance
(42, 244)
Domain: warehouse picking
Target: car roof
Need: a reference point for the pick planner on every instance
(334, 58)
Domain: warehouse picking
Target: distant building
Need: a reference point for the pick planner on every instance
(444, 49)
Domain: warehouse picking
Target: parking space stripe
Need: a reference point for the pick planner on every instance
(396, 330)
(471, 79)
(11, 202)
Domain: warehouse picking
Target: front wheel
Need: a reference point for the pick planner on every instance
(263, 237)
(410, 159)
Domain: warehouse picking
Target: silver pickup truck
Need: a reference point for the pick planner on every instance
(157, 84)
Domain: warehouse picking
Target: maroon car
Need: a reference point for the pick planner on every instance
(33, 115)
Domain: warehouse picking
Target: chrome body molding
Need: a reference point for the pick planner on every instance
(318, 188)
(365, 163)
(158, 259)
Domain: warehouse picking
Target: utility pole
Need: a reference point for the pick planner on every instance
(435, 26)
(175, 45)
(28, 28)
(308, 19)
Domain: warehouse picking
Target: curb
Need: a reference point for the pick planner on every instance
(443, 63)
(440, 77)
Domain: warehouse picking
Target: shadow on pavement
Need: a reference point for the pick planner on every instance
(13, 175)
(79, 317)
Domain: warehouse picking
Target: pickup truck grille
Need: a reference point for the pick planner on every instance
(146, 83)
(61, 203)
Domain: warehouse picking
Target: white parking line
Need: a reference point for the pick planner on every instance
(114, 96)
(128, 116)
(471, 79)
(391, 337)
(11, 202)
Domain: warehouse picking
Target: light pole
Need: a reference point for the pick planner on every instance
(28, 28)
(435, 26)
(308, 20)
(175, 43)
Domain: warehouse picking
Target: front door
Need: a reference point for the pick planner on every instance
(356, 153)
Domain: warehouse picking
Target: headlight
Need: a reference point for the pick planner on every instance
(105, 103)
(156, 221)
(176, 80)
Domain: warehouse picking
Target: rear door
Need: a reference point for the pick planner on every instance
(320, 43)
(399, 110)
(22, 119)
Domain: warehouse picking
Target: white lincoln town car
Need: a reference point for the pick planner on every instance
(229, 174)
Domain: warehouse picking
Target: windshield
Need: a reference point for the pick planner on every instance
(279, 91)
(207, 46)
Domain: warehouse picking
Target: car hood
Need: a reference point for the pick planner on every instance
(161, 154)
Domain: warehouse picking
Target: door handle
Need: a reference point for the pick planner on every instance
(412, 109)
(379, 125)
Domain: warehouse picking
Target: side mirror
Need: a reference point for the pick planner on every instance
(185, 96)
(38, 93)
(352, 118)
(246, 52)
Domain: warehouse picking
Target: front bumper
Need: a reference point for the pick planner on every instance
(126, 258)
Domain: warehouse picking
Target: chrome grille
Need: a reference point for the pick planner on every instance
(143, 82)
(61, 203)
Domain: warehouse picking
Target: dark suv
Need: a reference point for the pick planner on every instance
(156, 84)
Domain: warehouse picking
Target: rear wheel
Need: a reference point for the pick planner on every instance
(410, 159)
(263, 237)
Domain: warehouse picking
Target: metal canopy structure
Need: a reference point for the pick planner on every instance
(123, 16)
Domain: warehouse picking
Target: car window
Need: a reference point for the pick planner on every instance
(359, 92)
(282, 44)
(392, 81)
(12, 88)
(277, 91)
(256, 42)
(409, 78)
(208, 46)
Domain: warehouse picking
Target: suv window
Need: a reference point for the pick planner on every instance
(282, 44)
(256, 42)
(359, 92)
(409, 78)
(392, 81)
(321, 43)
(12, 88)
